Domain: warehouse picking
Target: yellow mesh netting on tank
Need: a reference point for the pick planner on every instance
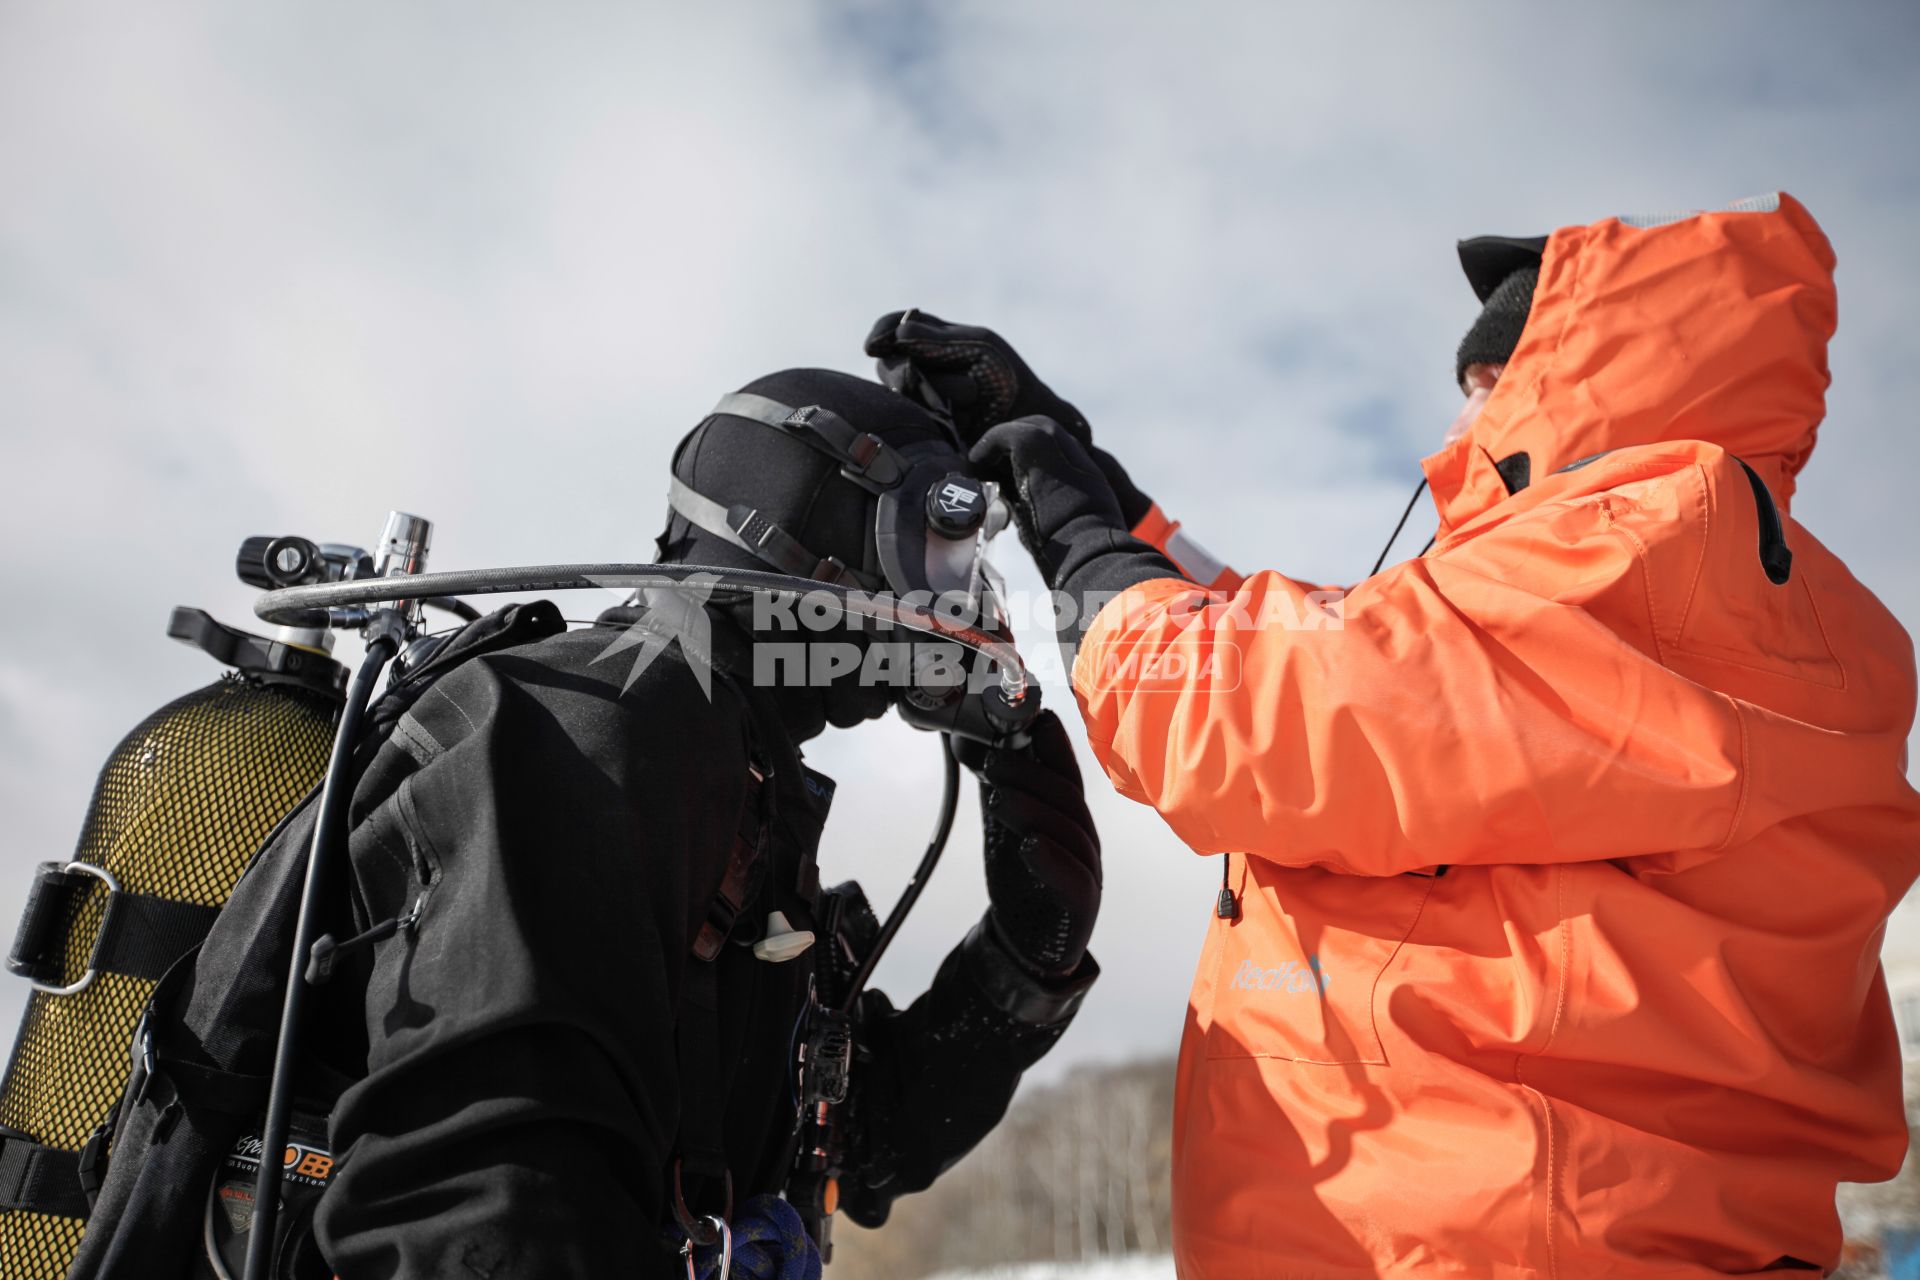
(180, 807)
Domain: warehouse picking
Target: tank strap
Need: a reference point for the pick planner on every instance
(39, 1178)
(140, 935)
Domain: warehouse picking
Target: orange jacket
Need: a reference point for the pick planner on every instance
(1637, 1025)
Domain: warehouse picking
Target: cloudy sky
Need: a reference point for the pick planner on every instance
(281, 268)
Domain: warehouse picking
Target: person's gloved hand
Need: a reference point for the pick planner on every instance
(971, 374)
(1068, 515)
(1042, 852)
(975, 377)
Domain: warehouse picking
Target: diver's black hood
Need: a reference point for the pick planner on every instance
(737, 460)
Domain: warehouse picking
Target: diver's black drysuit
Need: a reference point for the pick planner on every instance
(560, 842)
(512, 1059)
(511, 1073)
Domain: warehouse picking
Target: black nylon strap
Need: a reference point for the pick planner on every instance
(700, 1144)
(736, 878)
(863, 457)
(40, 1179)
(785, 552)
(705, 1077)
(40, 943)
(142, 935)
(754, 532)
(203, 1088)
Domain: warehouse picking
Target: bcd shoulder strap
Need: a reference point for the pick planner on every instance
(705, 1077)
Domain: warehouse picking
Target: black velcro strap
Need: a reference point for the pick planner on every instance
(699, 1147)
(40, 943)
(40, 1179)
(142, 935)
(204, 1088)
(700, 1144)
(736, 879)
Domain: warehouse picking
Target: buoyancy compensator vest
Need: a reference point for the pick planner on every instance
(180, 807)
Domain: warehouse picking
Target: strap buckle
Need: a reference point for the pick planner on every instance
(861, 453)
(93, 1157)
(856, 454)
(832, 569)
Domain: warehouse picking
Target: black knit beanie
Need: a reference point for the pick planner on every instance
(1503, 271)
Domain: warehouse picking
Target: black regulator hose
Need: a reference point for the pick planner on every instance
(942, 828)
(329, 833)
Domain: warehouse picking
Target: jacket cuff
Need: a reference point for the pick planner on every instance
(1167, 536)
(1017, 993)
(1155, 527)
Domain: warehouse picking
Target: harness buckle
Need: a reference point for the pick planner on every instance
(860, 454)
(832, 569)
(93, 1157)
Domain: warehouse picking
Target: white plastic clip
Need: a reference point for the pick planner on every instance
(782, 941)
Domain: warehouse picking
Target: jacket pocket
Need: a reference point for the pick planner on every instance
(1295, 974)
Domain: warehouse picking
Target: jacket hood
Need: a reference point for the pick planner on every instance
(1699, 326)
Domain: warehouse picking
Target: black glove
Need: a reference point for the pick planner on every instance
(976, 378)
(1042, 854)
(1068, 515)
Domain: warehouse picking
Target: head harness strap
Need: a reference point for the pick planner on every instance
(745, 527)
(864, 458)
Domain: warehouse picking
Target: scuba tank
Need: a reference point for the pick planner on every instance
(180, 807)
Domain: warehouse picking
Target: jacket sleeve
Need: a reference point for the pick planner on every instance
(549, 945)
(1500, 701)
(936, 1077)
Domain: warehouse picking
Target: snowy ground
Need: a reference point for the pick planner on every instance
(1155, 1267)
